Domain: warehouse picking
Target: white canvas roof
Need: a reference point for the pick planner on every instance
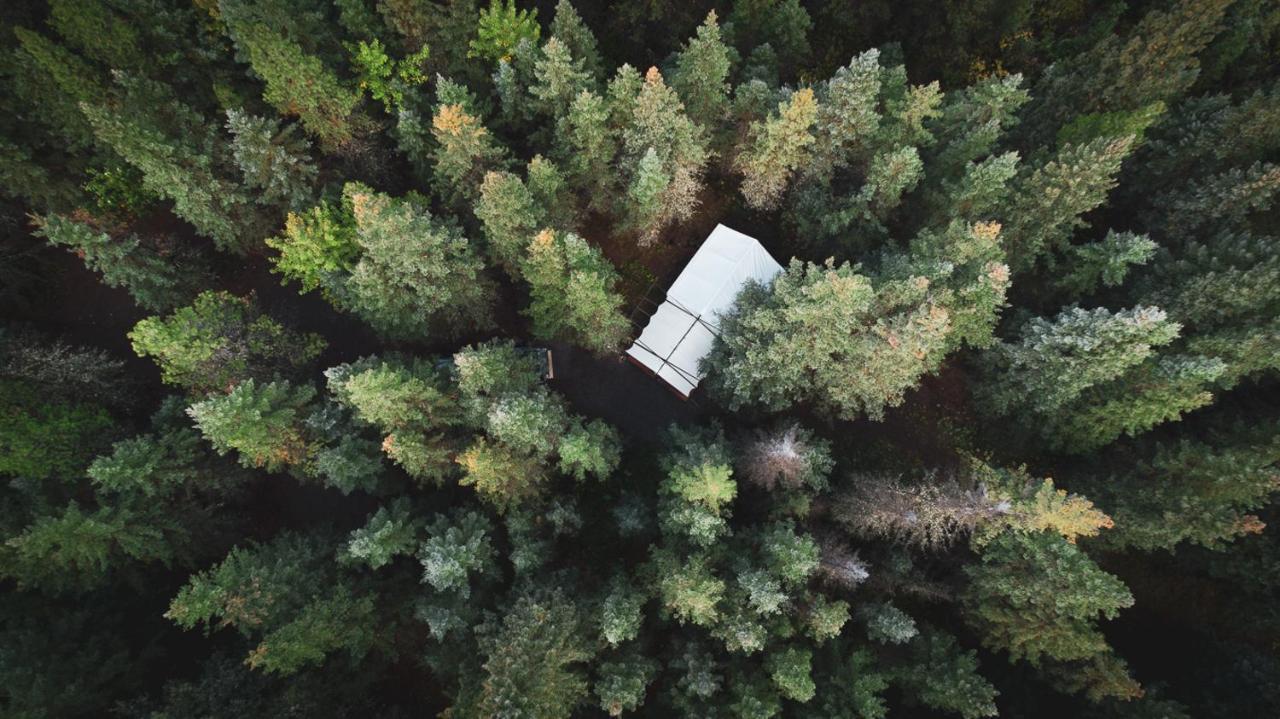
(681, 331)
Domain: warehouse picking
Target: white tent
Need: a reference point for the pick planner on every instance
(681, 331)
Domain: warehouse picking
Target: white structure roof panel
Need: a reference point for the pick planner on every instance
(680, 333)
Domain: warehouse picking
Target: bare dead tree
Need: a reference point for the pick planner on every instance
(788, 456)
(928, 514)
(838, 565)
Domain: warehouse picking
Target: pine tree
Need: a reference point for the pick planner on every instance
(220, 340)
(510, 217)
(501, 28)
(660, 140)
(1046, 205)
(1156, 62)
(318, 249)
(848, 116)
(263, 424)
(790, 670)
(1104, 263)
(812, 325)
(550, 189)
(783, 24)
(148, 273)
(1223, 200)
(776, 148)
(1055, 361)
(572, 295)
(178, 155)
(945, 677)
(457, 553)
(410, 405)
(513, 83)
(100, 32)
(621, 685)
(698, 489)
(1210, 132)
(274, 161)
(568, 27)
(1157, 391)
(416, 274)
(285, 594)
(74, 76)
(974, 119)
(586, 147)
(1199, 488)
(531, 659)
(702, 73)
(42, 438)
(964, 264)
(558, 78)
(464, 154)
(590, 449)
(390, 532)
(77, 549)
(298, 83)
(1038, 597)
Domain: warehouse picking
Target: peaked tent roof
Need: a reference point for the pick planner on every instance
(681, 331)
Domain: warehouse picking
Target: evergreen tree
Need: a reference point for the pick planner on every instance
(1151, 394)
(1105, 263)
(794, 342)
(776, 148)
(1193, 489)
(1046, 205)
(661, 141)
(180, 158)
(416, 274)
(410, 405)
(587, 147)
(550, 188)
(147, 272)
(318, 249)
(702, 73)
(698, 488)
(568, 27)
(1037, 596)
(220, 340)
(943, 676)
(782, 24)
(284, 593)
(965, 265)
(530, 660)
(558, 78)
(465, 152)
(273, 160)
(1157, 61)
(501, 28)
(973, 120)
(1089, 377)
(298, 83)
(1226, 200)
(621, 685)
(510, 217)
(263, 424)
(572, 293)
(1055, 361)
(42, 438)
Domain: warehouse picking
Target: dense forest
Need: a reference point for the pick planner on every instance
(313, 400)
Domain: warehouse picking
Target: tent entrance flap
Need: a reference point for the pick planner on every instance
(681, 331)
